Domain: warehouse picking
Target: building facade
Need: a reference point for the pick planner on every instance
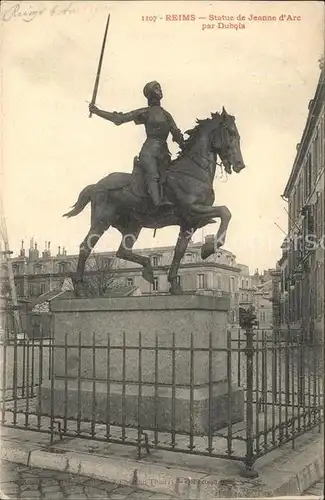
(302, 262)
(37, 273)
(257, 291)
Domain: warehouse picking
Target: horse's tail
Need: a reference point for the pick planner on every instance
(83, 199)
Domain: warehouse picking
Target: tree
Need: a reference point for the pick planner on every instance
(247, 318)
(99, 276)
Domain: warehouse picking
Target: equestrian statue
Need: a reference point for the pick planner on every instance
(161, 192)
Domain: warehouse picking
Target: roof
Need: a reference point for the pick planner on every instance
(48, 296)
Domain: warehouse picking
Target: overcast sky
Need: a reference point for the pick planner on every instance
(264, 74)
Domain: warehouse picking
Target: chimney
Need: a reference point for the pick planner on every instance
(45, 252)
(33, 253)
(59, 252)
(209, 238)
(22, 250)
(49, 248)
(36, 251)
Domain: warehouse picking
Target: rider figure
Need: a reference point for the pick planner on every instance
(158, 124)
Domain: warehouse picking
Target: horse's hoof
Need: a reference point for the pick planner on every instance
(78, 288)
(175, 289)
(207, 249)
(147, 274)
(79, 291)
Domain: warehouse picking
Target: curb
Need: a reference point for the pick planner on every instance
(160, 479)
(129, 473)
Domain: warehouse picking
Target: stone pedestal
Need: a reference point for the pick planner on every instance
(98, 342)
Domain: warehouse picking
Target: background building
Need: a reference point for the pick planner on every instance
(40, 273)
(302, 261)
(257, 291)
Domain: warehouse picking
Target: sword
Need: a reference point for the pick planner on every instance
(93, 99)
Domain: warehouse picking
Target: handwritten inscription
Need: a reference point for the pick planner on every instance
(28, 14)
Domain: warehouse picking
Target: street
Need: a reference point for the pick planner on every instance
(22, 482)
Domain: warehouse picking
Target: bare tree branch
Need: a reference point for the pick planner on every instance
(99, 276)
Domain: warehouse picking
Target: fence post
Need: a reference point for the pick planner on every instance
(249, 352)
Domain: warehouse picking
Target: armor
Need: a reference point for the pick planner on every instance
(158, 124)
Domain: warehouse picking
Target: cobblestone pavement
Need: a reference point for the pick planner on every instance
(22, 482)
(316, 489)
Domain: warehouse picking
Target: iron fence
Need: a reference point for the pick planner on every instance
(239, 401)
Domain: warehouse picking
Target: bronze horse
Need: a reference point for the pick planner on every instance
(120, 200)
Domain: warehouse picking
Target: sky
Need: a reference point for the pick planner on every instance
(264, 74)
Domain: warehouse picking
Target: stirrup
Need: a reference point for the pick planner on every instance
(165, 203)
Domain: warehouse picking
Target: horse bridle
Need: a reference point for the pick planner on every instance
(224, 145)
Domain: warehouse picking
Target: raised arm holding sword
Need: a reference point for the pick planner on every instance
(158, 124)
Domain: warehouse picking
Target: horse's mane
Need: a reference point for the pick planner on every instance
(192, 134)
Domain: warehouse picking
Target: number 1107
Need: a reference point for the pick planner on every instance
(149, 18)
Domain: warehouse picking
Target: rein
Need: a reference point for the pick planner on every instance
(221, 165)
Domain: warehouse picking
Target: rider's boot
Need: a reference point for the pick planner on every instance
(154, 192)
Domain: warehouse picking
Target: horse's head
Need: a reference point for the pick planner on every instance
(225, 141)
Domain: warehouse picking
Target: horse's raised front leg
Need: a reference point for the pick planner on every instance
(130, 235)
(224, 214)
(180, 249)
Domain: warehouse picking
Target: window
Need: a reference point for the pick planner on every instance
(299, 200)
(219, 282)
(20, 288)
(314, 157)
(155, 285)
(37, 269)
(105, 264)
(178, 280)
(34, 289)
(42, 288)
(189, 257)
(262, 316)
(232, 284)
(62, 267)
(294, 204)
(200, 281)
(16, 268)
(233, 316)
(130, 281)
(243, 283)
(309, 174)
(155, 261)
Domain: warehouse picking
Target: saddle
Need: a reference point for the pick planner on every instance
(135, 181)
